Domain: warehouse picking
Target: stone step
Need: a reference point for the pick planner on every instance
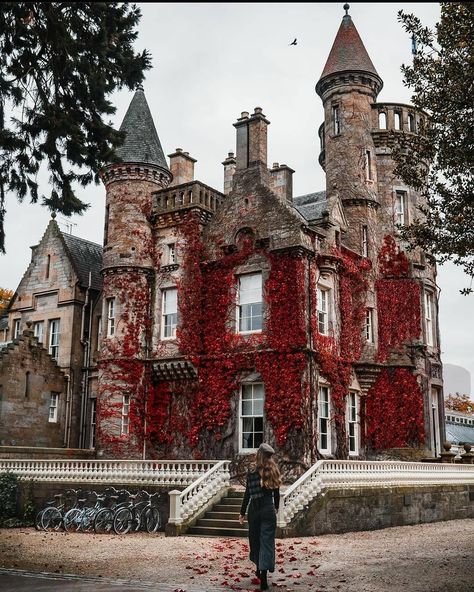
(234, 494)
(218, 523)
(231, 501)
(222, 515)
(217, 531)
(226, 508)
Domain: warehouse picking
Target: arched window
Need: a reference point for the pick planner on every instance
(397, 120)
(382, 120)
(411, 122)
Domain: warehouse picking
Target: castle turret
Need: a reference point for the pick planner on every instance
(348, 86)
(129, 262)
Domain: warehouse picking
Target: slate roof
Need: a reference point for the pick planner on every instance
(312, 206)
(3, 323)
(457, 433)
(85, 256)
(348, 51)
(141, 143)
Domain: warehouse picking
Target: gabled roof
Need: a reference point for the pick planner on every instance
(348, 52)
(85, 256)
(312, 206)
(141, 143)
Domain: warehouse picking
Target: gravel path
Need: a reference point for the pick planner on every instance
(435, 557)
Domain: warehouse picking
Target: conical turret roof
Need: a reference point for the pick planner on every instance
(141, 143)
(348, 51)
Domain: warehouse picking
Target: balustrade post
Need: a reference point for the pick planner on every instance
(175, 507)
(281, 522)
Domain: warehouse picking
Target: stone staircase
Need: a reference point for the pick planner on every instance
(222, 519)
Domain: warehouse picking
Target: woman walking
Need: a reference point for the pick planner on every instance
(263, 492)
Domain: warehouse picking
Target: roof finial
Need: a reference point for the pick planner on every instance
(53, 215)
(139, 86)
(346, 8)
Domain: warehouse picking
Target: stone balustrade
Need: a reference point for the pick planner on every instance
(341, 474)
(139, 472)
(187, 503)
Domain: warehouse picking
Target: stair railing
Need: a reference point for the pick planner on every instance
(185, 504)
(358, 473)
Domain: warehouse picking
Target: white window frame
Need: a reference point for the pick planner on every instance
(251, 387)
(353, 425)
(400, 208)
(171, 253)
(429, 318)
(365, 241)
(54, 334)
(323, 309)
(336, 120)
(324, 419)
(242, 301)
(53, 408)
(169, 318)
(16, 328)
(110, 303)
(38, 330)
(125, 416)
(369, 325)
(93, 423)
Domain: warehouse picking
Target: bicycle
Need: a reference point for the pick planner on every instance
(51, 517)
(138, 514)
(103, 520)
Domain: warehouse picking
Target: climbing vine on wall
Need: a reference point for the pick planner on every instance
(398, 301)
(394, 411)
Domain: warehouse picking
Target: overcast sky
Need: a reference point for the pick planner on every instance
(213, 61)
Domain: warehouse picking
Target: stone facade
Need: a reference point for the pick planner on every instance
(252, 313)
(32, 395)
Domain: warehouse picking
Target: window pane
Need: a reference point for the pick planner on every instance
(258, 439)
(258, 407)
(250, 288)
(247, 407)
(170, 301)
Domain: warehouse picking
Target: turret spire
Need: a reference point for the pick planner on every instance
(141, 144)
(348, 52)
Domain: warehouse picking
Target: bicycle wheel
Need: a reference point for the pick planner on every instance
(51, 519)
(73, 520)
(152, 519)
(122, 521)
(39, 515)
(103, 521)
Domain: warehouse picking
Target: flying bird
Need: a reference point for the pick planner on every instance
(293, 42)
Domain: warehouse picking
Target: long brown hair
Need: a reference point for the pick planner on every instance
(268, 470)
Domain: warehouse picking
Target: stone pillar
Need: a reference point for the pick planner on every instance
(181, 167)
(282, 181)
(229, 170)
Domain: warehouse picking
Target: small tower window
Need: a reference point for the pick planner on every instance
(48, 265)
(397, 120)
(368, 165)
(110, 317)
(106, 224)
(336, 120)
(411, 123)
(382, 120)
(365, 241)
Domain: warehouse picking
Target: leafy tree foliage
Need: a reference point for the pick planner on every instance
(459, 402)
(59, 61)
(5, 297)
(439, 160)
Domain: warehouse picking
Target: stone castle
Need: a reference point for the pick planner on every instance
(211, 320)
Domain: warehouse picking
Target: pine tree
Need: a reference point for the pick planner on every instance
(59, 62)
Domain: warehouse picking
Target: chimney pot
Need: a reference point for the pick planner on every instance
(258, 110)
(275, 165)
(178, 150)
(244, 115)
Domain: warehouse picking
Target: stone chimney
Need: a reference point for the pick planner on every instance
(181, 167)
(282, 181)
(229, 170)
(251, 139)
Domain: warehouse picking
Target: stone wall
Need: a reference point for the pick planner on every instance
(349, 510)
(28, 377)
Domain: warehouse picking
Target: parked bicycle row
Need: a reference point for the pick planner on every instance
(111, 510)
